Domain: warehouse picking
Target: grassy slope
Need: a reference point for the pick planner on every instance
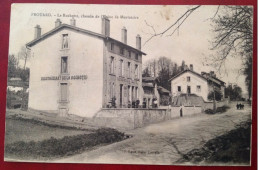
(234, 146)
(29, 130)
(68, 145)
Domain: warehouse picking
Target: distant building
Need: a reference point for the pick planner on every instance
(77, 71)
(190, 82)
(165, 96)
(150, 91)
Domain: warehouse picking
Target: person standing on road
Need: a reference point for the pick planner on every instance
(155, 103)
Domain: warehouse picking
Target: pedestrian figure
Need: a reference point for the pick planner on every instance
(155, 103)
(240, 106)
(181, 111)
(237, 106)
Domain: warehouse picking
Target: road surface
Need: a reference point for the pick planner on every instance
(166, 142)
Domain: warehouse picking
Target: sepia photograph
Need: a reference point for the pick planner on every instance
(130, 84)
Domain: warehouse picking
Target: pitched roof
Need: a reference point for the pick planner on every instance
(193, 72)
(77, 29)
(213, 79)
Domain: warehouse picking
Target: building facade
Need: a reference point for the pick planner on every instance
(76, 71)
(191, 82)
(150, 91)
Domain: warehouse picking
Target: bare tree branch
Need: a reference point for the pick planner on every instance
(180, 19)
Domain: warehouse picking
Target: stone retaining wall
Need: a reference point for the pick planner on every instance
(130, 118)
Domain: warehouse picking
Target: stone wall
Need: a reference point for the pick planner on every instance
(209, 105)
(126, 119)
(130, 118)
(186, 111)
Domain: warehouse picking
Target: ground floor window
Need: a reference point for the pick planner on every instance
(64, 92)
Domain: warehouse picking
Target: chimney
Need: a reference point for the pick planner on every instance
(37, 32)
(124, 35)
(212, 74)
(57, 23)
(73, 22)
(186, 67)
(105, 26)
(138, 42)
(191, 67)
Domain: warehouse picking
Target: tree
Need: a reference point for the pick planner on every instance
(24, 74)
(146, 73)
(233, 30)
(24, 54)
(234, 38)
(215, 95)
(248, 72)
(163, 68)
(12, 66)
(234, 92)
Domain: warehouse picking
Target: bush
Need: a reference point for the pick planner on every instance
(66, 146)
(218, 110)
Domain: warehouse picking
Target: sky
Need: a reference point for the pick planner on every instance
(191, 43)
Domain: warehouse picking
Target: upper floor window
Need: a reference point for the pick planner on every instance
(121, 68)
(188, 79)
(136, 71)
(65, 41)
(129, 54)
(112, 65)
(112, 46)
(179, 88)
(122, 51)
(136, 56)
(64, 64)
(129, 69)
(198, 88)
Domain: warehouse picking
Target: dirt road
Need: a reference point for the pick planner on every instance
(166, 142)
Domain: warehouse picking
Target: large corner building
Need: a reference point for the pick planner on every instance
(77, 71)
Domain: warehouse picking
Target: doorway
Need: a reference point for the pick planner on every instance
(188, 90)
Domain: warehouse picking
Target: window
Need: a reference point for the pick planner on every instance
(64, 64)
(136, 56)
(136, 71)
(112, 46)
(112, 65)
(122, 51)
(65, 41)
(188, 79)
(121, 68)
(198, 89)
(129, 54)
(64, 92)
(129, 69)
(136, 93)
(112, 90)
(179, 88)
(129, 94)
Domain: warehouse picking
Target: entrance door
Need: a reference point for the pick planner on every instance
(188, 90)
(121, 95)
(64, 92)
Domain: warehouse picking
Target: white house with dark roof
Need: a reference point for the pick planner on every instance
(76, 71)
(190, 82)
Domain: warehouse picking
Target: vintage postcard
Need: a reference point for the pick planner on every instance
(130, 84)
